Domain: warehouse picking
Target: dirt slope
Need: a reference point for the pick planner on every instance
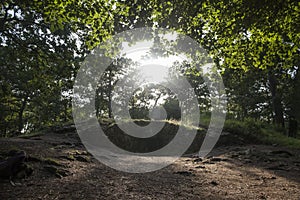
(64, 170)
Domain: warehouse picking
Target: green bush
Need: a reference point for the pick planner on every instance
(260, 132)
(246, 127)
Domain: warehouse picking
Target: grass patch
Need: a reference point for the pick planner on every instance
(106, 121)
(245, 127)
(249, 130)
(205, 119)
(145, 122)
(260, 133)
(271, 136)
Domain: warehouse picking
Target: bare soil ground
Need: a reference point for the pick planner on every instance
(64, 170)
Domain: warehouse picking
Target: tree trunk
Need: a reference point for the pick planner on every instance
(109, 106)
(23, 106)
(276, 100)
(293, 127)
(99, 99)
(156, 100)
(109, 94)
(294, 115)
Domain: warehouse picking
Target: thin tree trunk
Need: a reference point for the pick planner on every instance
(156, 100)
(21, 123)
(276, 100)
(109, 94)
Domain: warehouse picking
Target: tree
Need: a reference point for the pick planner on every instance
(248, 94)
(35, 63)
(119, 68)
(43, 42)
(242, 34)
(256, 34)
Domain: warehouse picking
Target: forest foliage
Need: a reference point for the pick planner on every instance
(255, 45)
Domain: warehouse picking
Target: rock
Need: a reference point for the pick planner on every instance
(57, 172)
(13, 165)
(85, 153)
(76, 152)
(200, 166)
(24, 171)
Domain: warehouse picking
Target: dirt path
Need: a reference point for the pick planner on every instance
(64, 170)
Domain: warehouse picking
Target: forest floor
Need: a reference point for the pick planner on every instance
(64, 170)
